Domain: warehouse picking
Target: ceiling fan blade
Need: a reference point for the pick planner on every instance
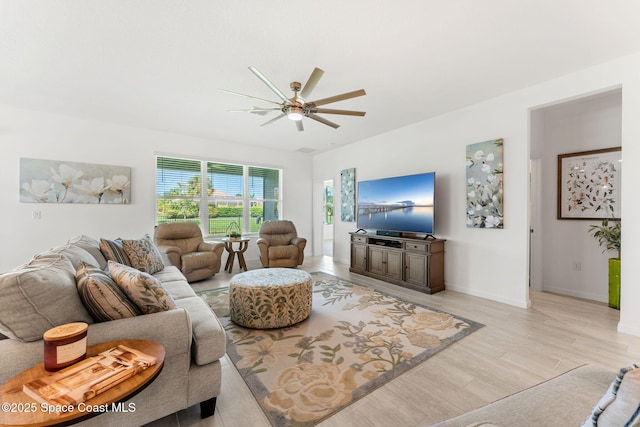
(311, 83)
(323, 121)
(343, 112)
(255, 110)
(274, 119)
(266, 81)
(299, 125)
(337, 98)
(248, 96)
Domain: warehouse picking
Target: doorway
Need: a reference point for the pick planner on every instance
(563, 256)
(327, 219)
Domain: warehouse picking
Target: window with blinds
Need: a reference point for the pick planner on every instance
(232, 195)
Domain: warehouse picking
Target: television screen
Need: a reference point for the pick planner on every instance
(402, 203)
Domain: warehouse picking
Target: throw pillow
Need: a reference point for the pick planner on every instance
(143, 254)
(620, 405)
(142, 288)
(39, 296)
(90, 245)
(101, 296)
(113, 251)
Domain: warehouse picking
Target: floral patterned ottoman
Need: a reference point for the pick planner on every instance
(270, 297)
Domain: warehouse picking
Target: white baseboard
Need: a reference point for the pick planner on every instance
(575, 293)
(490, 296)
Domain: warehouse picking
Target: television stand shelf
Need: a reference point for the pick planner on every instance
(413, 263)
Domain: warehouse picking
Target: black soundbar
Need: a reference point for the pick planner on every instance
(389, 233)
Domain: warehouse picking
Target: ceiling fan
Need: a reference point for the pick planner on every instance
(297, 107)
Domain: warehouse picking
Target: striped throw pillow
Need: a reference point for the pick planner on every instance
(101, 296)
(620, 405)
(113, 251)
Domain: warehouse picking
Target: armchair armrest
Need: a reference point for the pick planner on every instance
(263, 249)
(216, 247)
(300, 242)
(173, 254)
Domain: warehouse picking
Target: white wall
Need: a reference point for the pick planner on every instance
(483, 262)
(56, 137)
(572, 261)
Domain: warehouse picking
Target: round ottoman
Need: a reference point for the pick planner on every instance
(270, 297)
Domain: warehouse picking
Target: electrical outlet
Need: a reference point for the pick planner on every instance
(36, 215)
(577, 266)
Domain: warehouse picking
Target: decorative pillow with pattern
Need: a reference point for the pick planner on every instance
(101, 295)
(113, 251)
(143, 254)
(141, 288)
(620, 405)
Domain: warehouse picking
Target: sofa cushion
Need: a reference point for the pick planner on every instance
(141, 288)
(143, 254)
(620, 405)
(76, 255)
(114, 251)
(92, 246)
(102, 296)
(31, 297)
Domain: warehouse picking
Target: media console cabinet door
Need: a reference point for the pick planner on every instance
(417, 268)
(359, 257)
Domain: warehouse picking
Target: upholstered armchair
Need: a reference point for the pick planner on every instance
(279, 244)
(183, 246)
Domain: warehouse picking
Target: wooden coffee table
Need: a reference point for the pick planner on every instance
(19, 409)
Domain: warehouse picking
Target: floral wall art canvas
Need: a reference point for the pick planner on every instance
(348, 195)
(589, 184)
(485, 185)
(51, 181)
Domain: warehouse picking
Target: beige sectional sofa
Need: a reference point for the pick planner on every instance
(43, 293)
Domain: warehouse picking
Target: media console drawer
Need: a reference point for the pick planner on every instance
(417, 247)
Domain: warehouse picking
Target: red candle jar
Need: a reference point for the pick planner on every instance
(65, 345)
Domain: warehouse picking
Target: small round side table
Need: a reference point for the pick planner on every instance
(243, 245)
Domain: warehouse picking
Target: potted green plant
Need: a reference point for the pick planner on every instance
(608, 236)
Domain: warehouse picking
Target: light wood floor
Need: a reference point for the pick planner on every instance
(516, 349)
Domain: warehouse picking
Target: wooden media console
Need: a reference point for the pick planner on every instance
(413, 263)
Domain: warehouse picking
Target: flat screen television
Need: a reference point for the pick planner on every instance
(401, 203)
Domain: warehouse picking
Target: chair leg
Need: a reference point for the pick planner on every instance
(207, 408)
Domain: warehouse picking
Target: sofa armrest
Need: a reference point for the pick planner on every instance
(209, 340)
(171, 329)
(18, 356)
(173, 254)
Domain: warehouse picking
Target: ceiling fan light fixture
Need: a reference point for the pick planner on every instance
(295, 113)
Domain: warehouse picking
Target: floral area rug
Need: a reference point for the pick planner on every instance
(355, 340)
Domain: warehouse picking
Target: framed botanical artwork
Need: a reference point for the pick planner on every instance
(484, 184)
(52, 181)
(348, 195)
(589, 184)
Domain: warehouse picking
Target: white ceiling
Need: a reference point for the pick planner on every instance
(159, 63)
